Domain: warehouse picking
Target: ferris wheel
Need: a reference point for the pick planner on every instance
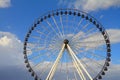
(67, 44)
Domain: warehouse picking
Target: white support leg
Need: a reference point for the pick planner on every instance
(79, 71)
(77, 66)
(79, 62)
(53, 69)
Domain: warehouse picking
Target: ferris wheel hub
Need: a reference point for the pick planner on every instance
(66, 41)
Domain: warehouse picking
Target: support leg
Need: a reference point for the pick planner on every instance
(72, 53)
(53, 69)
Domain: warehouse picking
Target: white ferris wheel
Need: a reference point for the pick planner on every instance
(67, 44)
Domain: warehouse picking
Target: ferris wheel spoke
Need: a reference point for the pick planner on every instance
(95, 62)
(37, 37)
(61, 64)
(91, 53)
(96, 55)
(92, 69)
(68, 60)
(90, 42)
(42, 55)
(91, 35)
(67, 71)
(54, 42)
(42, 33)
(79, 23)
(36, 49)
(37, 56)
(33, 43)
(44, 69)
(50, 57)
(81, 75)
(87, 50)
(77, 69)
(52, 28)
(87, 66)
(75, 76)
(67, 24)
(90, 30)
(91, 60)
(83, 28)
(87, 32)
(37, 43)
(30, 51)
(41, 39)
(62, 25)
(60, 33)
(73, 24)
(42, 48)
(45, 28)
(52, 48)
(81, 36)
(91, 47)
(45, 35)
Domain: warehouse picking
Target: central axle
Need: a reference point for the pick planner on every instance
(66, 42)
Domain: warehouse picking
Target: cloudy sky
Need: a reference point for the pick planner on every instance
(16, 17)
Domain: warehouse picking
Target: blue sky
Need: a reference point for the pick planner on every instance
(17, 16)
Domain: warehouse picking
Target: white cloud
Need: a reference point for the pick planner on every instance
(4, 41)
(5, 3)
(10, 49)
(101, 16)
(11, 57)
(12, 65)
(114, 35)
(112, 73)
(91, 5)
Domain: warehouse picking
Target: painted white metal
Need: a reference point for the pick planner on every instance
(76, 65)
(53, 69)
(79, 62)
